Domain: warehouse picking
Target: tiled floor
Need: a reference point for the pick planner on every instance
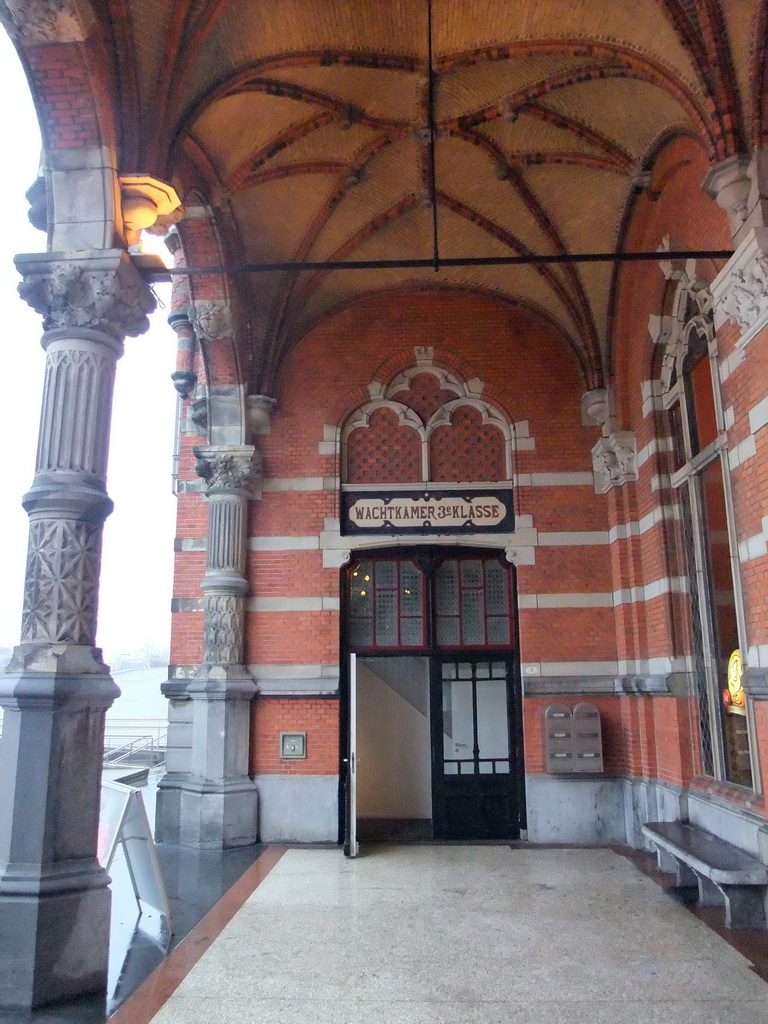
(428, 934)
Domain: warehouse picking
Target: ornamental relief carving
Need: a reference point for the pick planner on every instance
(211, 318)
(746, 300)
(46, 21)
(223, 630)
(614, 460)
(62, 582)
(70, 296)
(229, 471)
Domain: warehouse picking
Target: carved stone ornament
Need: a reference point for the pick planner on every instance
(46, 21)
(211, 318)
(227, 470)
(68, 295)
(614, 460)
(62, 582)
(594, 407)
(746, 298)
(223, 630)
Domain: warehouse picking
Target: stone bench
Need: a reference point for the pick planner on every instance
(722, 873)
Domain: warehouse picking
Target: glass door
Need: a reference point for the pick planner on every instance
(477, 771)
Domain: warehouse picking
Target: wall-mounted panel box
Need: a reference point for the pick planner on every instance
(573, 740)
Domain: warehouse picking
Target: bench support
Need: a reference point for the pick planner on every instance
(744, 906)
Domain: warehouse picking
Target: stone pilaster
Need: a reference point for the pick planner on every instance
(54, 900)
(217, 799)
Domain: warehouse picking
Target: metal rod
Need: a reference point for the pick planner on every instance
(431, 127)
(468, 261)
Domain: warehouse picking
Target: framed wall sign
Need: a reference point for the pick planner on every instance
(414, 512)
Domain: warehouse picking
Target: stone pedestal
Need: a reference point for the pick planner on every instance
(54, 900)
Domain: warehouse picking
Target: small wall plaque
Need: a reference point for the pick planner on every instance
(293, 745)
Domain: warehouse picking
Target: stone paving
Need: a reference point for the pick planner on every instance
(464, 934)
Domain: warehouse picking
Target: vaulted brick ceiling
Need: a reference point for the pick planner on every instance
(303, 121)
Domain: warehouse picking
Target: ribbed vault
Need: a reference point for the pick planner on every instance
(304, 123)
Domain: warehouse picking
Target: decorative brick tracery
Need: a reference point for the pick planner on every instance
(383, 452)
(466, 449)
(426, 425)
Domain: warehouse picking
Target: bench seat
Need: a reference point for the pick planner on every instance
(722, 873)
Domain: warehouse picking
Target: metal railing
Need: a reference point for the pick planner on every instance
(135, 741)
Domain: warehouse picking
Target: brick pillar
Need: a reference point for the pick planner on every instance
(218, 799)
(54, 900)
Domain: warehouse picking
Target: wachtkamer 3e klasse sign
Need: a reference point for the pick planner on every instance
(417, 512)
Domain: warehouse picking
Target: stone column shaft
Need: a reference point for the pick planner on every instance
(218, 803)
(54, 900)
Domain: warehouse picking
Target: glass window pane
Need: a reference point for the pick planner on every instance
(458, 732)
(701, 397)
(466, 767)
(386, 574)
(499, 669)
(449, 671)
(723, 601)
(502, 767)
(472, 617)
(412, 632)
(410, 589)
(486, 768)
(450, 768)
(447, 589)
(496, 589)
(361, 632)
(471, 573)
(447, 631)
(498, 630)
(482, 670)
(361, 571)
(386, 618)
(465, 670)
(492, 733)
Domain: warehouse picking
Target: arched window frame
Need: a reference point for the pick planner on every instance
(691, 322)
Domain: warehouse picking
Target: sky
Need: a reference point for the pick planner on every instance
(138, 537)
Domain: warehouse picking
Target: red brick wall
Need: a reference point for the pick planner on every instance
(319, 718)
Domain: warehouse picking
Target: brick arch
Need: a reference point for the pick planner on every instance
(201, 245)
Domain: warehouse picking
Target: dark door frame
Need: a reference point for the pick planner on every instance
(427, 557)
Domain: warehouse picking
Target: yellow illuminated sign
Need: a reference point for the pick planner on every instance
(734, 697)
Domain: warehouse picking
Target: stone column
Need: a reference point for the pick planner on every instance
(54, 900)
(218, 798)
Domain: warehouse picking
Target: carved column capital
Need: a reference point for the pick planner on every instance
(101, 293)
(229, 469)
(211, 318)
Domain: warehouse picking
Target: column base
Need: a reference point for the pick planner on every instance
(53, 947)
(168, 808)
(218, 815)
